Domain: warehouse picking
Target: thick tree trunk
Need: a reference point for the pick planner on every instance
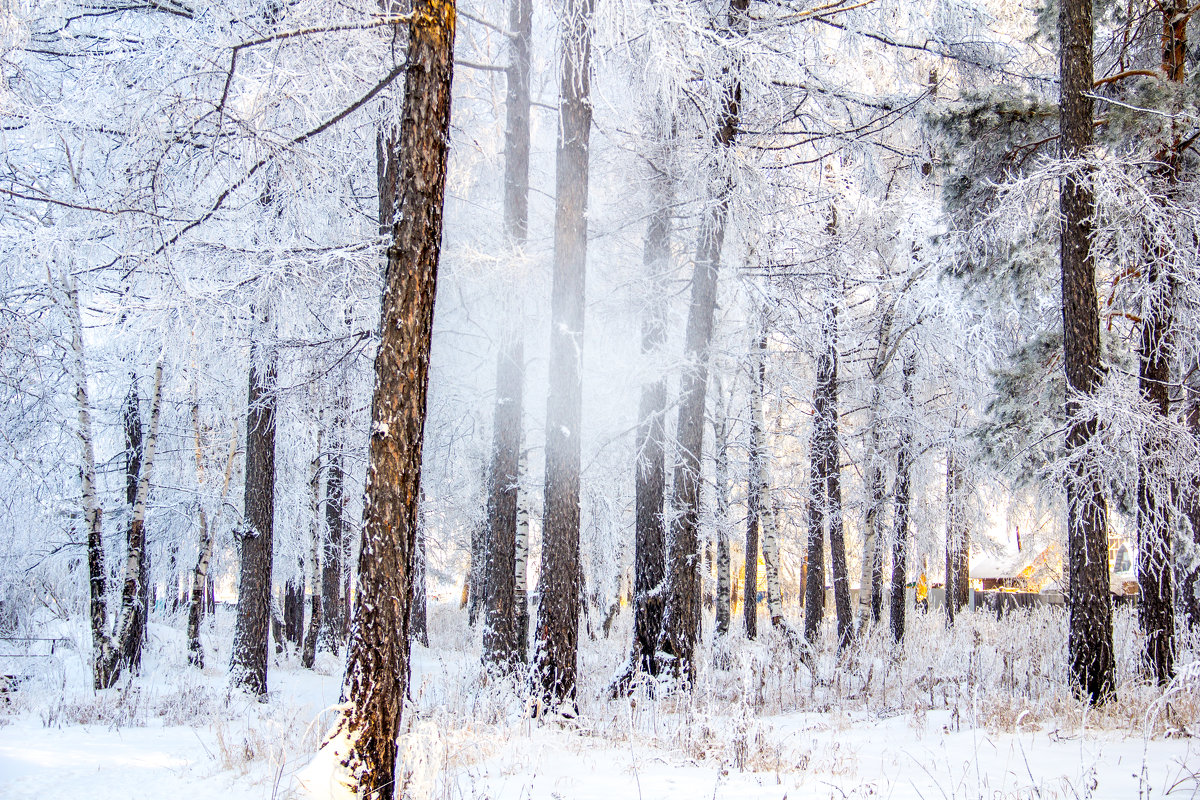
(248, 667)
(1156, 606)
(1088, 599)
(958, 589)
(363, 739)
(521, 570)
(1189, 584)
(721, 453)
(681, 623)
(558, 607)
(903, 492)
(814, 559)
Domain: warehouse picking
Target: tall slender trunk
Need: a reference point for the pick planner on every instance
(248, 667)
(681, 623)
(753, 511)
(721, 453)
(650, 547)
(131, 421)
(832, 469)
(1189, 585)
(558, 607)
(521, 569)
(958, 587)
(363, 739)
(419, 630)
(1088, 600)
(814, 559)
(333, 607)
(903, 498)
(308, 650)
(870, 591)
(500, 646)
(503, 635)
(1156, 606)
(201, 580)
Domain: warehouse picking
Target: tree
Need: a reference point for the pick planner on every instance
(903, 502)
(363, 737)
(958, 586)
(681, 624)
(558, 607)
(505, 635)
(248, 667)
(1088, 602)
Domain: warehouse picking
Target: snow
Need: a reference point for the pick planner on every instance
(758, 728)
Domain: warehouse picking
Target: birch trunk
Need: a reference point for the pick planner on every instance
(308, 652)
(957, 543)
(90, 503)
(721, 450)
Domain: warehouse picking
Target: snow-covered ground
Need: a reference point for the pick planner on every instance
(972, 718)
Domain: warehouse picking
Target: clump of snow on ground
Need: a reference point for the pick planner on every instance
(980, 710)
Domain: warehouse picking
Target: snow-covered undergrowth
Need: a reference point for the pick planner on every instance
(982, 709)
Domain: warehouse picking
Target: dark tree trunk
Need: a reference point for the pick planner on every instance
(558, 608)
(755, 492)
(333, 611)
(814, 559)
(681, 622)
(650, 546)
(1156, 606)
(504, 635)
(293, 609)
(1189, 585)
(1088, 600)
(832, 469)
(958, 589)
(248, 669)
(870, 599)
(419, 630)
(500, 635)
(363, 739)
(903, 498)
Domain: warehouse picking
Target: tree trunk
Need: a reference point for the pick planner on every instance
(1189, 585)
(521, 569)
(1156, 606)
(333, 610)
(419, 630)
(958, 588)
(1088, 600)
(248, 667)
(503, 637)
(558, 609)
(650, 547)
(903, 492)
(131, 419)
(870, 592)
(721, 451)
(293, 608)
(201, 581)
(363, 739)
(500, 645)
(681, 623)
(814, 560)
(308, 650)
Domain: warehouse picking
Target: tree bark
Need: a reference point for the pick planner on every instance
(333, 610)
(308, 650)
(419, 630)
(870, 592)
(363, 738)
(1088, 601)
(503, 637)
(721, 452)
(681, 623)
(903, 491)
(1156, 606)
(558, 608)
(958, 589)
(248, 667)
(131, 420)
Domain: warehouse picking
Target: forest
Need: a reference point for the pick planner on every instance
(599, 398)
